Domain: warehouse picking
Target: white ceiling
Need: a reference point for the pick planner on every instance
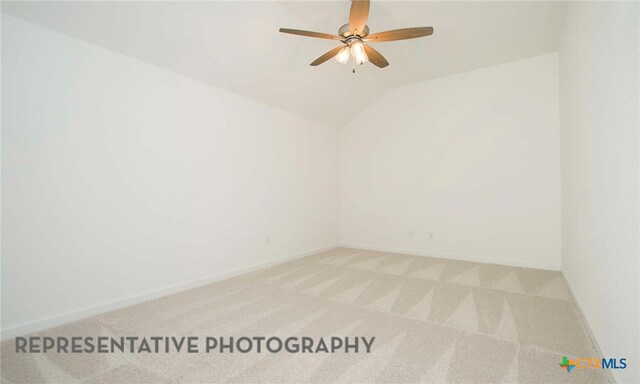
(236, 45)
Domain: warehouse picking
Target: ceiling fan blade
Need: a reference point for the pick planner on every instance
(358, 15)
(400, 34)
(318, 35)
(326, 56)
(375, 57)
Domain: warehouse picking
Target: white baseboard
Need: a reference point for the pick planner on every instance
(477, 259)
(592, 336)
(68, 317)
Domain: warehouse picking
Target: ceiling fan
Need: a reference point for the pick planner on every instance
(355, 34)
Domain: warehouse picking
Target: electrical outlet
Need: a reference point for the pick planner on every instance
(267, 240)
(431, 235)
(411, 236)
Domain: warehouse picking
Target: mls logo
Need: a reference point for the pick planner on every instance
(592, 363)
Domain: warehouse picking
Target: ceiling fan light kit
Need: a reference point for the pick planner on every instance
(343, 56)
(355, 34)
(358, 53)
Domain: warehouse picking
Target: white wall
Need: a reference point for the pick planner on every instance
(120, 178)
(471, 159)
(600, 164)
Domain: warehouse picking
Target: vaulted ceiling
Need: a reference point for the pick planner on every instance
(236, 46)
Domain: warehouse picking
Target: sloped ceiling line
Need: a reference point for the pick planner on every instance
(236, 46)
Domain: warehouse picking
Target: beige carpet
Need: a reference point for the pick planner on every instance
(435, 321)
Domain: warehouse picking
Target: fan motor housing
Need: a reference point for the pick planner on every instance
(345, 31)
